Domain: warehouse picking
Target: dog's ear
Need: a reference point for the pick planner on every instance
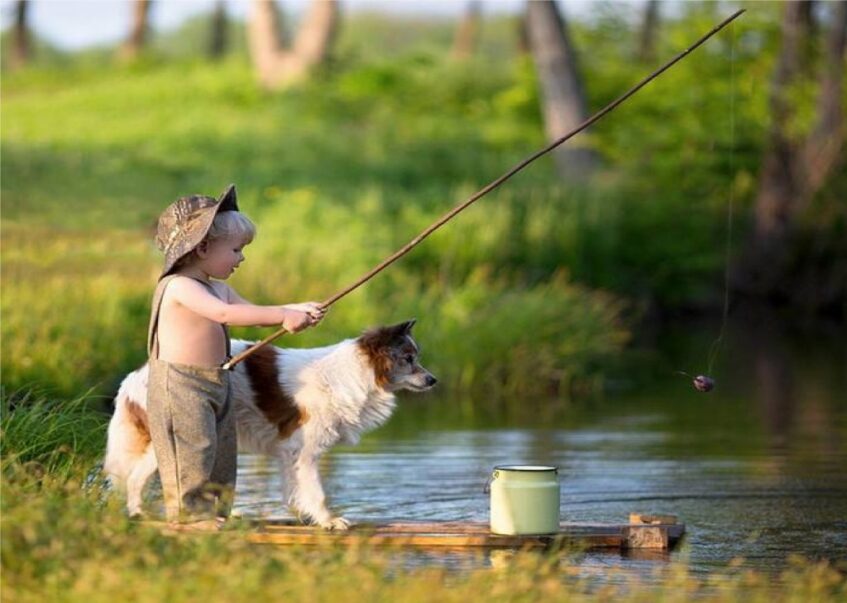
(405, 328)
(386, 336)
(401, 329)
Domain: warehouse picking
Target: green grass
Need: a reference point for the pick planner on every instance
(44, 436)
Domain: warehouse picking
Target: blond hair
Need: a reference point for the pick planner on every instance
(226, 224)
(232, 224)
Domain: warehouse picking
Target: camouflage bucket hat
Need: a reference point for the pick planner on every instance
(185, 223)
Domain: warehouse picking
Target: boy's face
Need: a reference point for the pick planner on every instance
(221, 257)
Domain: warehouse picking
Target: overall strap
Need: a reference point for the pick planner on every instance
(152, 333)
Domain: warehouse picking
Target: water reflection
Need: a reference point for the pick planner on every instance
(755, 469)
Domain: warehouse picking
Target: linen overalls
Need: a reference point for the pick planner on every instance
(192, 427)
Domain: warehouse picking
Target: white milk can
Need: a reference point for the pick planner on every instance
(524, 499)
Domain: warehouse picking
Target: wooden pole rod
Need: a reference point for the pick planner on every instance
(490, 187)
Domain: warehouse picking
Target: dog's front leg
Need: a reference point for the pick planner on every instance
(288, 474)
(309, 495)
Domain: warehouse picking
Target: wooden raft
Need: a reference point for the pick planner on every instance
(656, 532)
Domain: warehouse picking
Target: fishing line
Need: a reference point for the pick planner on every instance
(705, 383)
(491, 186)
(715, 347)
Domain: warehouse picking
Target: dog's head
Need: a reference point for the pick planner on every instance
(393, 354)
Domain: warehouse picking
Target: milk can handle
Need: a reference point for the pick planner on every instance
(487, 488)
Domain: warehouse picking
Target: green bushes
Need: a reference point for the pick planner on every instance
(525, 290)
(75, 306)
(336, 175)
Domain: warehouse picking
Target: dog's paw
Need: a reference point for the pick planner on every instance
(336, 523)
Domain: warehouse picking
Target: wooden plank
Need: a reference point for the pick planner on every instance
(447, 527)
(477, 534)
(639, 518)
(434, 540)
(456, 534)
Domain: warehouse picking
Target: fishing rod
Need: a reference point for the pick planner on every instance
(487, 189)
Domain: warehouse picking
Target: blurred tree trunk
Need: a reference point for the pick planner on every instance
(562, 96)
(317, 33)
(794, 168)
(649, 31)
(779, 183)
(264, 39)
(21, 47)
(826, 141)
(133, 45)
(277, 67)
(523, 35)
(467, 34)
(779, 263)
(217, 39)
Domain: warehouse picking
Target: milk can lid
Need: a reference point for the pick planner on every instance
(525, 468)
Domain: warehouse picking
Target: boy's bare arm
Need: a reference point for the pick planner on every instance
(313, 309)
(199, 300)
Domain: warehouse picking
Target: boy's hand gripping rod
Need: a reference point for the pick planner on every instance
(446, 217)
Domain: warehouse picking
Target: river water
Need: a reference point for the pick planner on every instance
(756, 469)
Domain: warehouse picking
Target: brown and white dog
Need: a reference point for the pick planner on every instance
(293, 404)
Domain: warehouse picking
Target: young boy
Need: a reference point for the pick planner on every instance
(192, 424)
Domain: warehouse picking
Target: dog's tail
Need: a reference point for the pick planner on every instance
(129, 430)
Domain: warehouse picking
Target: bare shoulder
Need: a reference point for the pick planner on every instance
(182, 283)
(181, 286)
